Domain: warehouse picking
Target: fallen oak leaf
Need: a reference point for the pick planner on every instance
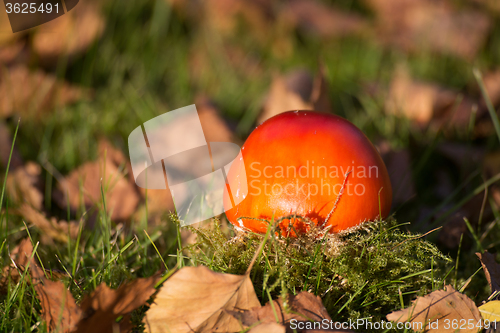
(439, 305)
(491, 270)
(104, 305)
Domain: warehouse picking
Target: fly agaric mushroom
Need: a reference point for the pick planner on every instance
(312, 165)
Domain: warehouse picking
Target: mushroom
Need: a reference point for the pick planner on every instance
(305, 168)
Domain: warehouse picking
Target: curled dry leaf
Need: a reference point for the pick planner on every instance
(323, 20)
(84, 185)
(51, 230)
(104, 305)
(23, 185)
(69, 35)
(439, 305)
(491, 270)
(298, 90)
(195, 299)
(33, 93)
(416, 25)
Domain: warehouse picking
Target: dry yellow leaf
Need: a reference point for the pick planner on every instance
(491, 311)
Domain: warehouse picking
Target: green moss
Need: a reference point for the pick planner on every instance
(366, 273)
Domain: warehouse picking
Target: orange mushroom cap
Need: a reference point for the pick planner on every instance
(315, 165)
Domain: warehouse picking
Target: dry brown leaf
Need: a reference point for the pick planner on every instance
(33, 93)
(491, 270)
(84, 185)
(104, 305)
(69, 35)
(59, 309)
(417, 100)
(416, 25)
(52, 230)
(297, 90)
(439, 305)
(20, 257)
(23, 185)
(323, 20)
(195, 298)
